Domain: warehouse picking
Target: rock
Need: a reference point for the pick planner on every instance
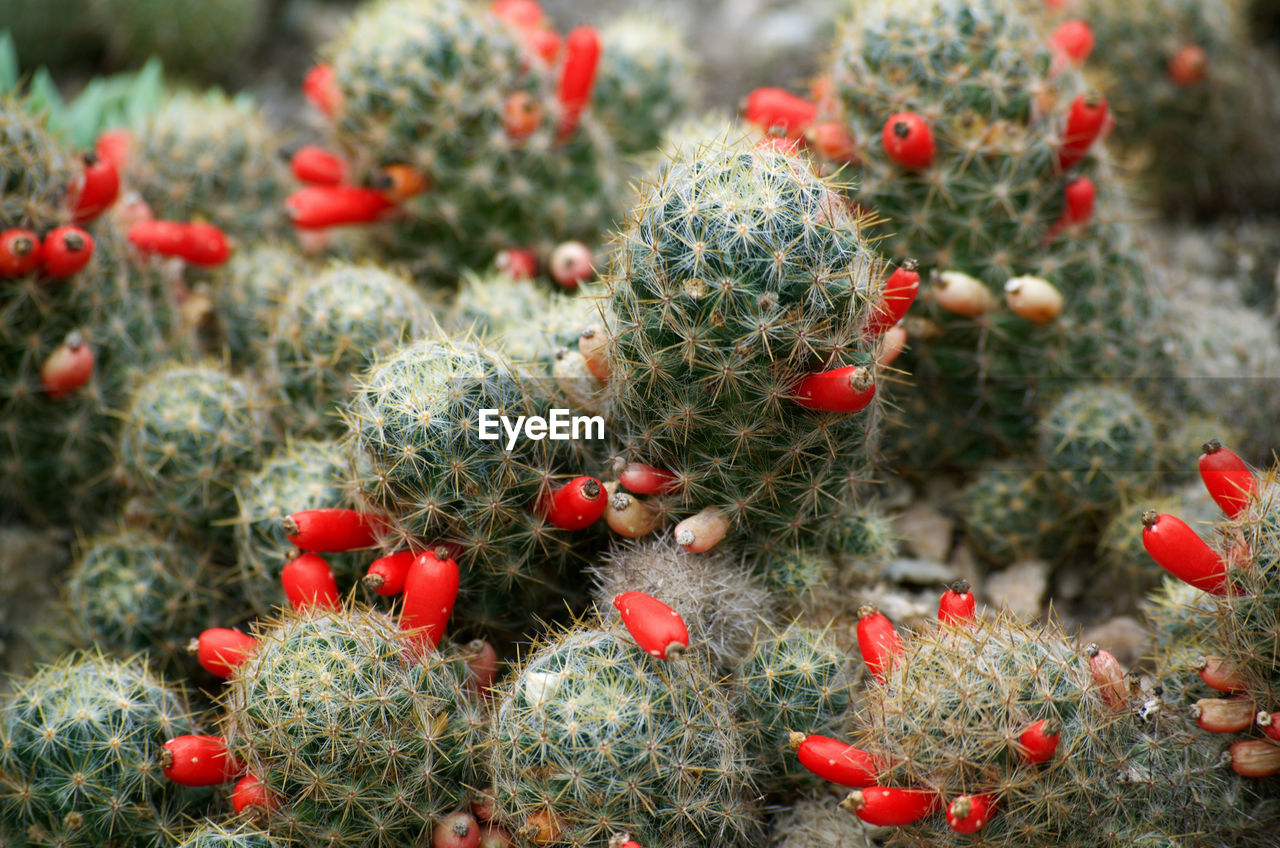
(1020, 588)
(926, 532)
(920, 572)
(1123, 636)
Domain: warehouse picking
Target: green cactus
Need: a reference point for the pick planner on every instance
(420, 459)
(792, 680)
(246, 295)
(80, 751)
(953, 705)
(593, 737)
(721, 602)
(740, 272)
(646, 81)
(1103, 442)
(187, 431)
(303, 474)
(990, 205)
(1125, 569)
(331, 328)
(1012, 512)
(814, 821)
(233, 834)
(1181, 621)
(425, 85)
(131, 593)
(1179, 75)
(211, 156)
(193, 37)
(364, 742)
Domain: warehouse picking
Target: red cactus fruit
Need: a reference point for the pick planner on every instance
(520, 264)
(430, 591)
(970, 813)
(1221, 675)
(67, 249)
(521, 115)
(657, 628)
(1080, 195)
(456, 830)
(251, 796)
(957, 605)
(576, 505)
(1085, 120)
(322, 206)
(327, 531)
(399, 182)
(577, 76)
(95, 189)
(900, 292)
(320, 87)
(701, 532)
(776, 109)
(890, 806)
(1039, 742)
(1255, 758)
(199, 760)
(1180, 551)
(20, 252)
(836, 761)
(1073, 40)
(115, 145)
(309, 582)
(1224, 715)
(69, 368)
(571, 264)
(219, 650)
(385, 575)
(492, 836)
(848, 389)
(878, 642)
(907, 140)
(1269, 724)
(833, 142)
(482, 661)
(623, 840)
(646, 480)
(1107, 675)
(1226, 477)
(316, 166)
(1188, 66)
(594, 347)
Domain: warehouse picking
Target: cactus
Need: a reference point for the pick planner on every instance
(739, 273)
(415, 434)
(211, 834)
(814, 821)
(211, 156)
(646, 81)
(362, 742)
(1179, 76)
(1124, 568)
(992, 204)
(331, 328)
(1011, 512)
(132, 593)
(81, 757)
(1181, 620)
(949, 720)
(187, 431)
(426, 85)
(246, 294)
(593, 737)
(792, 680)
(193, 37)
(721, 602)
(1103, 442)
(303, 474)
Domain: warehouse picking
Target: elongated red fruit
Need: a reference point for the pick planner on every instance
(20, 252)
(1269, 724)
(1039, 742)
(1085, 120)
(878, 642)
(577, 76)
(646, 480)
(386, 575)
(199, 760)
(1224, 715)
(493, 836)
(1229, 481)
(890, 806)
(577, 504)
(1221, 675)
(321, 206)
(521, 264)
(115, 145)
(430, 591)
(657, 628)
(309, 582)
(482, 661)
(703, 530)
(1255, 758)
(900, 292)
(1180, 551)
(250, 795)
(1074, 40)
(329, 531)
(96, 188)
(316, 166)
(67, 249)
(320, 87)
(69, 368)
(957, 605)
(836, 761)
(847, 389)
(1108, 675)
(154, 236)
(833, 142)
(778, 109)
(1080, 196)
(204, 245)
(456, 830)
(970, 813)
(219, 650)
(907, 140)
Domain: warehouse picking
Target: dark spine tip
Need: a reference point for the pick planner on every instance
(1150, 517)
(901, 129)
(675, 650)
(911, 265)
(591, 489)
(74, 242)
(90, 159)
(475, 645)
(960, 587)
(193, 647)
(867, 610)
(441, 553)
(1051, 729)
(373, 582)
(1211, 447)
(589, 333)
(1092, 650)
(382, 182)
(861, 380)
(290, 525)
(75, 339)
